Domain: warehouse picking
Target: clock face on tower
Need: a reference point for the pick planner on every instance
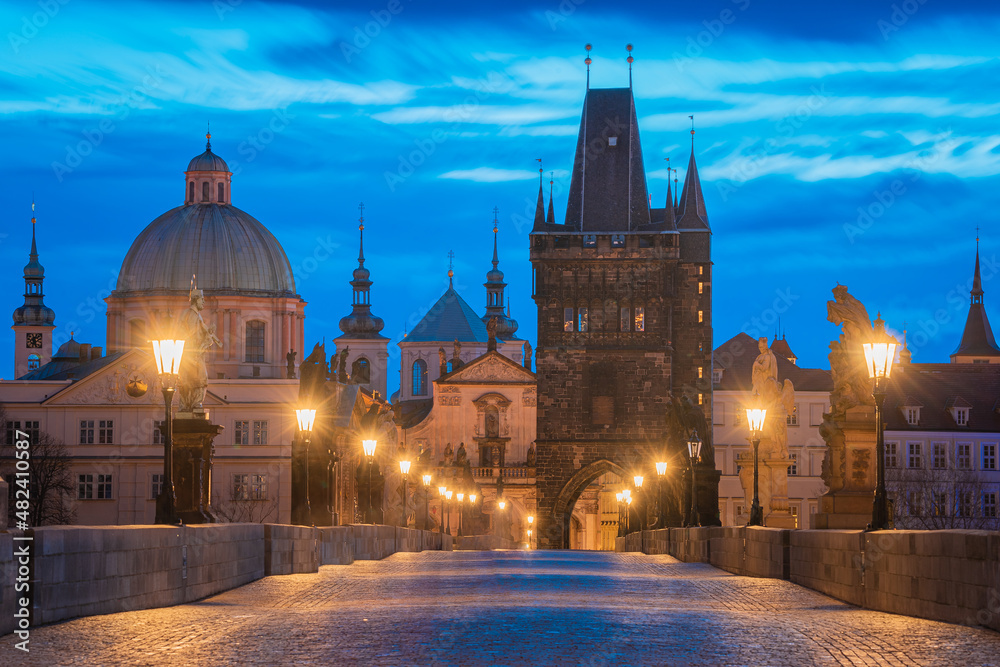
(33, 340)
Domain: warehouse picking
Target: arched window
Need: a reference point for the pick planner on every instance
(34, 361)
(255, 342)
(361, 371)
(204, 191)
(419, 377)
(191, 192)
(137, 333)
(222, 193)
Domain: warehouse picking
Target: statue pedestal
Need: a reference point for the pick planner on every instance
(850, 473)
(772, 488)
(192, 473)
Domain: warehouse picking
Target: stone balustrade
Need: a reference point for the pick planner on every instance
(946, 575)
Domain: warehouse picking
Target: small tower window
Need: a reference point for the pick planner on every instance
(640, 318)
(222, 193)
(567, 319)
(419, 377)
(33, 362)
(625, 318)
(255, 342)
(361, 371)
(581, 319)
(191, 192)
(204, 191)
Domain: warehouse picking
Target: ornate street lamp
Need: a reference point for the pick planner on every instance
(627, 500)
(306, 418)
(620, 497)
(168, 355)
(369, 447)
(447, 497)
(529, 539)
(441, 491)
(694, 453)
(879, 355)
(427, 500)
(461, 510)
(755, 419)
(404, 467)
(661, 470)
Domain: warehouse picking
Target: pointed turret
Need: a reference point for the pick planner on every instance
(551, 219)
(692, 214)
(361, 323)
(540, 205)
(669, 217)
(506, 327)
(978, 344)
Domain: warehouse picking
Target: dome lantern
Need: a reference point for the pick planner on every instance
(207, 179)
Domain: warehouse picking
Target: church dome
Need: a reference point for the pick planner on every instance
(207, 161)
(228, 250)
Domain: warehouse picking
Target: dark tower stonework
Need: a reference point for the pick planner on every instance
(624, 357)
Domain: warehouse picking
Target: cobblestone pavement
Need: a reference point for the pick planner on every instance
(510, 608)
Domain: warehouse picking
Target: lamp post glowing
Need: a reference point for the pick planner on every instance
(461, 510)
(637, 480)
(441, 492)
(627, 500)
(447, 497)
(369, 447)
(404, 467)
(879, 355)
(427, 500)
(168, 355)
(306, 418)
(755, 419)
(529, 538)
(661, 470)
(694, 453)
(621, 524)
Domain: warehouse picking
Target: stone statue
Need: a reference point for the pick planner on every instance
(456, 359)
(530, 461)
(449, 454)
(313, 376)
(765, 367)
(192, 382)
(461, 457)
(290, 360)
(527, 355)
(443, 360)
(491, 329)
(851, 385)
(342, 366)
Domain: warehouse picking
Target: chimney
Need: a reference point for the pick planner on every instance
(96, 353)
(84, 352)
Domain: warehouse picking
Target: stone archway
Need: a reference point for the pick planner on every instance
(563, 509)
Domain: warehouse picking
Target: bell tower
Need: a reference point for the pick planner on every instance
(33, 321)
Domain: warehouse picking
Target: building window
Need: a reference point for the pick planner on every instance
(793, 418)
(793, 469)
(567, 319)
(716, 376)
(625, 318)
(241, 432)
(701, 316)
(249, 487)
(915, 458)
(914, 503)
(34, 361)
(361, 372)
(640, 318)
(990, 504)
(701, 399)
(963, 456)
(222, 192)
(204, 191)
(86, 490)
(29, 427)
(939, 455)
(989, 456)
(419, 377)
(700, 372)
(155, 485)
(157, 433)
(617, 240)
(260, 432)
(939, 504)
(191, 192)
(701, 288)
(86, 431)
(912, 416)
(590, 240)
(603, 411)
(891, 461)
(581, 320)
(963, 503)
(961, 416)
(105, 431)
(255, 342)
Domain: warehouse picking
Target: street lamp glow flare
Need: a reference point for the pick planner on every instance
(168, 355)
(306, 418)
(404, 467)
(661, 468)
(638, 481)
(369, 447)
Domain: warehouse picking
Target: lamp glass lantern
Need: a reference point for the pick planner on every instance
(472, 498)
(306, 418)
(427, 480)
(448, 494)
(502, 504)
(661, 468)
(878, 358)
(694, 446)
(755, 419)
(638, 481)
(461, 497)
(404, 467)
(442, 490)
(369, 446)
(168, 355)
(531, 519)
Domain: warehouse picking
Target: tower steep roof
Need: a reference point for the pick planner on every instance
(977, 338)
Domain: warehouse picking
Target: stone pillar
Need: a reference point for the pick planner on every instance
(193, 453)
(851, 467)
(776, 512)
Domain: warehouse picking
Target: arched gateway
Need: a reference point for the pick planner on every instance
(624, 301)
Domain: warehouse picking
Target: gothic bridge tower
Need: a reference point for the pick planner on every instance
(624, 358)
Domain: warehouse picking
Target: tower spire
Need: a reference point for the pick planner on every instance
(361, 230)
(506, 327)
(588, 61)
(628, 47)
(692, 214)
(451, 270)
(551, 218)
(668, 211)
(208, 137)
(361, 323)
(976, 295)
(33, 321)
(540, 205)
(977, 337)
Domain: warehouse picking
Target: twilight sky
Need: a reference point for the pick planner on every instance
(853, 141)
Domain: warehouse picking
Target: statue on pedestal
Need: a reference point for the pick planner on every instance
(491, 330)
(449, 454)
(527, 355)
(530, 461)
(290, 361)
(461, 458)
(443, 360)
(342, 366)
(192, 382)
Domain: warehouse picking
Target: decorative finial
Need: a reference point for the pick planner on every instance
(361, 216)
(628, 47)
(451, 263)
(496, 211)
(208, 137)
(692, 129)
(587, 60)
(33, 213)
(361, 232)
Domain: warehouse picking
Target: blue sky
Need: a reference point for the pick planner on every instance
(853, 142)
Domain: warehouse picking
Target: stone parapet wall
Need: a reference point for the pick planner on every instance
(483, 543)
(88, 570)
(948, 575)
